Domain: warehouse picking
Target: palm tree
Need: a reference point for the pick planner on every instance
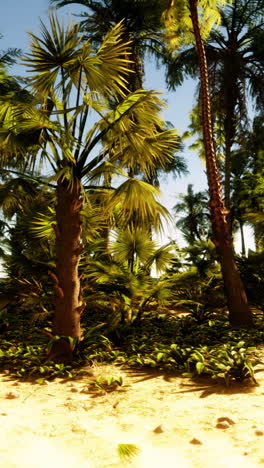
(142, 27)
(196, 18)
(235, 55)
(66, 68)
(235, 71)
(194, 225)
(27, 259)
(247, 193)
(8, 57)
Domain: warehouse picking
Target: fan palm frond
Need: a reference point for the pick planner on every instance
(43, 225)
(161, 258)
(130, 243)
(127, 452)
(137, 204)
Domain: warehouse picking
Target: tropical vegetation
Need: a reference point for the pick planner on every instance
(83, 147)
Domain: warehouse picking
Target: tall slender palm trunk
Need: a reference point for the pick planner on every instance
(227, 169)
(243, 244)
(67, 282)
(230, 99)
(239, 312)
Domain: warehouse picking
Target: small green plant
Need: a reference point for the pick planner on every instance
(55, 339)
(200, 313)
(107, 384)
(230, 362)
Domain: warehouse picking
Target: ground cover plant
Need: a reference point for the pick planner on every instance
(172, 344)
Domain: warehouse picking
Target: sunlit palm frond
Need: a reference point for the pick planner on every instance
(95, 101)
(127, 452)
(149, 152)
(144, 106)
(114, 60)
(51, 52)
(91, 69)
(161, 258)
(65, 175)
(178, 21)
(135, 133)
(21, 129)
(104, 171)
(138, 205)
(15, 194)
(42, 225)
(132, 242)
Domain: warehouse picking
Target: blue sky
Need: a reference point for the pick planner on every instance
(21, 16)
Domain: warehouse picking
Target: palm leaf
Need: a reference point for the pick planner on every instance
(51, 53)
(137, 204)
(127, 452)
(132, 242)
(43, 225)
(161, 258)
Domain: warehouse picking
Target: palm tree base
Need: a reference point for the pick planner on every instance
(239, 311)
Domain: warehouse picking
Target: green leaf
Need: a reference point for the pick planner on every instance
(41, 380)
(200, 367)
(160, 356)
(198, 356)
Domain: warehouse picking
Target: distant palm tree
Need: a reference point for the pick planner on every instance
(248, 185)
(9, 56)
(194, 222)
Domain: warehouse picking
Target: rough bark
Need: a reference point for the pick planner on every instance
(68, 308)
(136, 78)
(239, 312)
(134, 63)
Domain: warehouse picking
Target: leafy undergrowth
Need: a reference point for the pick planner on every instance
(171, 344)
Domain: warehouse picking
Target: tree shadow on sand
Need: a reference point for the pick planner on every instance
(203, 384)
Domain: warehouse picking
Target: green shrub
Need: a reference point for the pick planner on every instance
(230, 362)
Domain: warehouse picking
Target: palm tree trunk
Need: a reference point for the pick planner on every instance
(230, 99)
(243, 245)
(227, 182)
(136, 78)
(239, 312)
(67, 282)
(258, 238)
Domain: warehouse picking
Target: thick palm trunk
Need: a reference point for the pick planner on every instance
(239, 312)
(67, 282)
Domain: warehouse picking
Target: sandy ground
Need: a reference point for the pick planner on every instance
(172, 420)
